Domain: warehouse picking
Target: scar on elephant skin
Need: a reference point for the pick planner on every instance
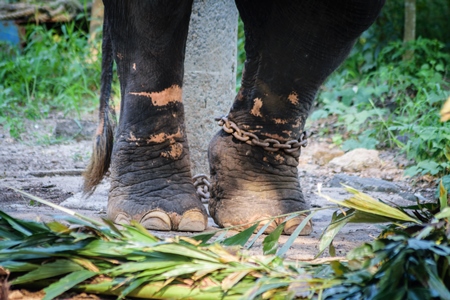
(169, 95)
(162, 137)
(293, 97)
(256, 110)
(175, 151)
(279, 121)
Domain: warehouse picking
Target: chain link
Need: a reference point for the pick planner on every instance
(203, 186)
(291, 147)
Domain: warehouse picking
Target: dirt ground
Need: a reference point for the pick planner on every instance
(53, 172)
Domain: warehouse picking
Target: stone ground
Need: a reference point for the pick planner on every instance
(53, 172)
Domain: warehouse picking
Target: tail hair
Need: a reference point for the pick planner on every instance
(104, 137)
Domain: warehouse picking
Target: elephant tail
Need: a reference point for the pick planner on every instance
(104, 136)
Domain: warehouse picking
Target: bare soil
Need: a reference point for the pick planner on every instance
(53, 172)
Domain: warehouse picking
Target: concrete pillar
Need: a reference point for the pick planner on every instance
(210, 74)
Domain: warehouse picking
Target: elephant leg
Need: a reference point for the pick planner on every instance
(291, 47)
(150, 172)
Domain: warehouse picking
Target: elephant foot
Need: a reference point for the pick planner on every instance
(188, 215)
(154, 190)
(251, 184)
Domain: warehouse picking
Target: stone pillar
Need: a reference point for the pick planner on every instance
(210, 74)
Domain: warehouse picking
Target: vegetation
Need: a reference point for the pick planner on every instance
(410, 259)
(380, 99)
(54, 72)
(388, 102)
(377, 98)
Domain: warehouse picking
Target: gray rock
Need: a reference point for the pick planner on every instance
(409, 197)
(364, 184)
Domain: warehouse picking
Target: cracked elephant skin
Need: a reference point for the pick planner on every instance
(291, 48)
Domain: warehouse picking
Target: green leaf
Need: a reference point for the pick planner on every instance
(133, 285)
(18, 266)
(443, 200)
(337, 222)
(332, 250)
(445, 213)
(294, 235)
(185, 251)
(436, 283)
(133, 267)
(367, 204)
(204, 237)
(138, 233)
(270, 243)
(48, 270)
(261, 231)
(241, 238)
(66, 283)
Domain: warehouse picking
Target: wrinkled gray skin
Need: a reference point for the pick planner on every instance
(291, 48)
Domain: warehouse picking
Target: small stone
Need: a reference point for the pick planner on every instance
(357, 160)
(364, 184)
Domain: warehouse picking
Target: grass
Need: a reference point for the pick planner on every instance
(53, 73)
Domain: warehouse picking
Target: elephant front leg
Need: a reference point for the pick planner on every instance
(291, 47)
(150, 172)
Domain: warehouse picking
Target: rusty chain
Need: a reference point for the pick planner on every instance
(203, 186)
(291, 147)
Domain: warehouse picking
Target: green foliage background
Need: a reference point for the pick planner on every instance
(377, 99)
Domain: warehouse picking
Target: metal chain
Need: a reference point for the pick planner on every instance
(291, 147)
(203, 186)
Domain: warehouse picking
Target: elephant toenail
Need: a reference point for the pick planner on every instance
(269, 228)
(156, 220)
(192, 220)
(293, 223)
(122, 219)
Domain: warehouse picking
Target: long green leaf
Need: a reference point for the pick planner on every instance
(204, 237)
(18, 266)
(337, 222)
(295, 234)
(365, 203)
(443, 199)
(259, 233)
(135, 283)
(53, 269)
(185, 250)
(66, 283)
(241, 238)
